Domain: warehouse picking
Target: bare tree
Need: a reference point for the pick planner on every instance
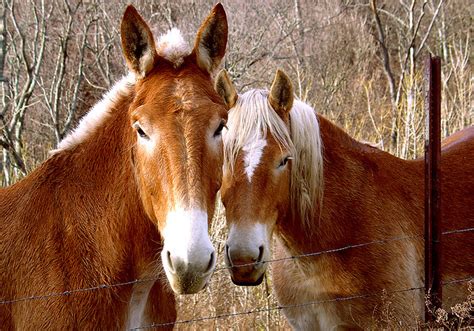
(25, 64)
(3, 36)
(61, 91)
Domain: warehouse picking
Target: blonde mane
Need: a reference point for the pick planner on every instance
(252, 118)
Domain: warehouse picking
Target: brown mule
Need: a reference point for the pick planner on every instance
(139, 176)
(291, 172)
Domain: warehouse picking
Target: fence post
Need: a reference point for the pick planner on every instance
(432, 87)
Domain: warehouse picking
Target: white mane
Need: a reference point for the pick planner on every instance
(170, 46)
(97, 115)
(252, 118)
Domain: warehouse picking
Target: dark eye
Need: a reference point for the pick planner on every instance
(140, 131)
(219, 129)
(284, 161)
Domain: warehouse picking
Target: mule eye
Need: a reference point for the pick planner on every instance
(284, 161)
(221, 126)
(140, 131)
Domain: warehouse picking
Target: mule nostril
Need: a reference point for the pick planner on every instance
(211, 262)
(227, 254)
(260, 254)
(170, 263)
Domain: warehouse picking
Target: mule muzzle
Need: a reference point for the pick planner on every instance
(246, 269)
(188, 255)
(188, 277)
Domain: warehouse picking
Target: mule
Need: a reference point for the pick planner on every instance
(138, 176)
(289, 171)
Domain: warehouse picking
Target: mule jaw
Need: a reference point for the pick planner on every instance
(188, 256)
(247, 249)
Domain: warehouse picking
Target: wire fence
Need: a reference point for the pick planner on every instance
(293, 257)
(298, 305)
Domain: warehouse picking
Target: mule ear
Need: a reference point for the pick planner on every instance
(226, 89)
(211, 40)
(137, 43)
(281, 94)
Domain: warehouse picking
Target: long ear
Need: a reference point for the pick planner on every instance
(281, 94)
(211, 40)
(226, 89)
(137, 43)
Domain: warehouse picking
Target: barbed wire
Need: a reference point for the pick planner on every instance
(327, 251)
(298, 305)
(457, 231)
(293, 257)
(79, 290)
(335, 250)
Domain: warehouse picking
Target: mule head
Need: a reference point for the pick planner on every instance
(255, 189)
(176, 122)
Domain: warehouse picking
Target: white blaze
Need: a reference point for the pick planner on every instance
(253, 153)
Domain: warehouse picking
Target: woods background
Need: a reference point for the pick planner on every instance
(359, 63)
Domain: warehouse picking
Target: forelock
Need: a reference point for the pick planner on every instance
(173, 47)
(250, 120)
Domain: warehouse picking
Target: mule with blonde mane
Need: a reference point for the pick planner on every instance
(139, 176)
(289, 171)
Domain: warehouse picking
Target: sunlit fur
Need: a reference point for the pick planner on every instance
(368, 195)
(111, 198)
(252, 119)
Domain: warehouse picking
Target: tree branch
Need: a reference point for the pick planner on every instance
(428, 31)
(385, 55)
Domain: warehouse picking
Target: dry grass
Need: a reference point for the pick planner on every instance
(458, 317)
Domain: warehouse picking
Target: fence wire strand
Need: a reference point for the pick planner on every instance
(457, 231)
(299, 305)
(327, 251)
(79, 290)
(294, 257)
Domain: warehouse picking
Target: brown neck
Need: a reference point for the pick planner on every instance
(96, 184)
(361, 184)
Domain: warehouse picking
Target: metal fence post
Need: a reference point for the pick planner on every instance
(432, 90)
